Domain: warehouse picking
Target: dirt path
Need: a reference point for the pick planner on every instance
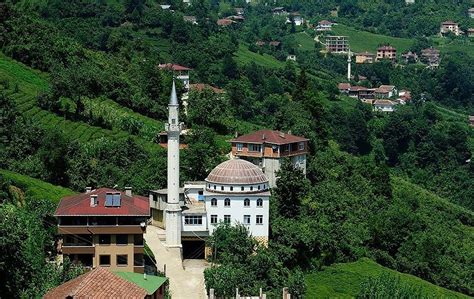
(186, 278)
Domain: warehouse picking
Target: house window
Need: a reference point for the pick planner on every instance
(255, 147)
(122, 260)
(259, 202)
(259, 219)
(213, 219)
(138, 260)
(227, 202)
(104, 239)
(214, 202)
(104, 260)
(301, 146)
(155, 197)
(193, 220)
(247, 219)
(246, 202)
(227, 219)
(240, 147)
(286, 148)
(138, 240)
(121, 239)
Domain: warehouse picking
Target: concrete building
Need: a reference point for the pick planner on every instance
(267, 149)
(180, 72)
(337, 44)
(102, 283)
(386, 52)
(104, 227)
(365, 57)
(449, 26)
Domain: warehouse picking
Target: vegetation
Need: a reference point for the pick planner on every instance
(360, 278)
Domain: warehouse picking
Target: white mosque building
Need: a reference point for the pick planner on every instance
(236, 192)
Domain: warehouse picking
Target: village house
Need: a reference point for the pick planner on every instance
(449, 26)
(291, 57)
(274, 43)
(190, 19)
(385, 91)
(344, 87)
(279, 11)
(181, 72)
(104, 227)
(431, 57)
(384, 105)
(470, 12)
(365, 57)
(224, 22)
(102, 283)
(165, 6)
(386, 52)
(267, 149)
(409, 57)
(337, 44)
(297, 18)
(324, 25)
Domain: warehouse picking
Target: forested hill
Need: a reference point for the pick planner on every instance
(82, 102)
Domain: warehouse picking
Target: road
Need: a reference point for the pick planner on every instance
(186, 277)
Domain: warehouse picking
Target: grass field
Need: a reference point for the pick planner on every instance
(360, 41)
(344, 280)
(244, 56)
(305, 41)
(35, 188)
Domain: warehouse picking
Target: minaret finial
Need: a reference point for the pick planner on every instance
(174, 97)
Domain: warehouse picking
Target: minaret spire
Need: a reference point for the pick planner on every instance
(173, 208)
(349, 59)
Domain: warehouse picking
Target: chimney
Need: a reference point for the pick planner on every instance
(128, 191)
(94, 201)
(88, 189)
(263, 136)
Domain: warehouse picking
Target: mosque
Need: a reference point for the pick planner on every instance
(235, 191)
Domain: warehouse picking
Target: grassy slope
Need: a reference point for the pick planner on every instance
(244, 56)
(305, 41)
(343, 281)
(35, 188)
(360, 41)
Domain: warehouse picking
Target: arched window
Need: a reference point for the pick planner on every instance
(227, 202)
(251, 188)
(246, 202)
(259, 202)
(214, 202)
(222, 188)
(242, 188)
(231, 188)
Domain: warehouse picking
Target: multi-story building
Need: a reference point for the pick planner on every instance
(387, 52)
(337, 44)
(180, 72)
(267, 149)
(430, 56)
(104, 227)
(365, 57)
(449, 26)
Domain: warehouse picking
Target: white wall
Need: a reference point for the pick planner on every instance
(194, 227)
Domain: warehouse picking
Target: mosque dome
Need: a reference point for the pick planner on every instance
(236, 172)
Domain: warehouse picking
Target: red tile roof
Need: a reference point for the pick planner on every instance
(325, 22)
(79, 205)
(224, 22)
(201, 87)
(269, 136)
(274, 43)
(98, 283)
(343, 86)
(174, 67)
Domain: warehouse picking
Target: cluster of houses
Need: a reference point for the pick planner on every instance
(383, 98)
(290, 16)
(429, 56)
(453, 27)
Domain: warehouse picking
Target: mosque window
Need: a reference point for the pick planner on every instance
(227, 202)
(226, 218)
(246, 202)
(193, 220)
(259, 202)
(214, 202)
(251, 188)
(231, 188)
(247, 219)
(259, 219)
(213, 219)
(242, 188)
(222, 188)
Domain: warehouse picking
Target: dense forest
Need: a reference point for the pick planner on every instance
(82, 102)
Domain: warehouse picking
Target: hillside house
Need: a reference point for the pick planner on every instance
(224, 22)
(384, 105)
(431, 57)
(385, 91)
(274, 43)
(291, 57)
(470, 12)
(404, 96)
(104, 227)
(279, 11)
(180, 72)
(190, 19)
(337, 44)
(365, 57)
(449, 26)
(103, 283)
(409, 57)
(344, 87)
(386, 52)
(297, 18)
(324, 25)
(268, 148)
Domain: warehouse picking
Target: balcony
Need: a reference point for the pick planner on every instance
(100, 229)
(78, 249)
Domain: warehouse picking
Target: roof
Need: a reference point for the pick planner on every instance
(344, 86)
(236, 171)
(358, 88)
(201, 87)
(449, 23)
(386, 48)
(269, 136)
(98, 283)
(365, 54)
(383, 103)
(325, 22)
(387, 87)
(150, 284)
(174, 67)
(224, 22)
(430, 51)
(274, 43)
(79, 205)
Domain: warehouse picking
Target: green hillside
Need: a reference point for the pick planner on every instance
(244, 56)
(35, 188)
(360, 41)
(344, 281)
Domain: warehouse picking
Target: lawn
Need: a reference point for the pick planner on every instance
(35, 188)
(360, 41)
(344, 280)
(244, 56)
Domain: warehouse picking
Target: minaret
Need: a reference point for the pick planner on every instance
(173, 209)
(349, 66)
